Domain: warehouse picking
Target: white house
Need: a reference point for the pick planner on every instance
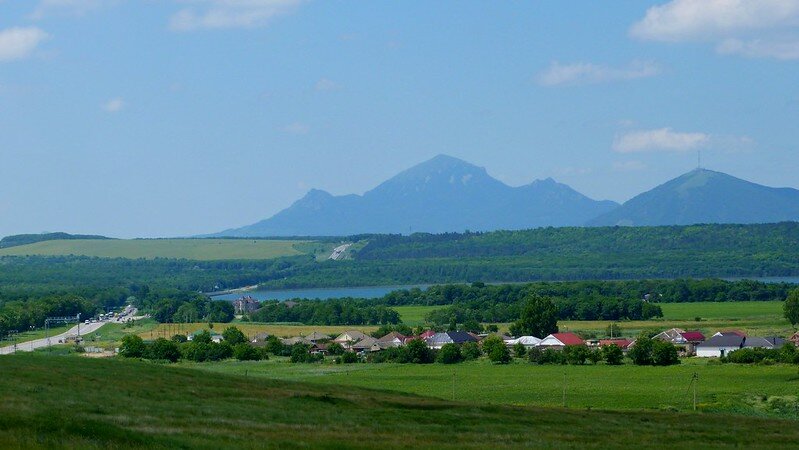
(560, 340)
(718, 346)
(527, 341)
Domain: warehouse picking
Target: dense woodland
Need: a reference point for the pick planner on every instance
(327, 312)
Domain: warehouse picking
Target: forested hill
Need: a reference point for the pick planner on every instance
(767, 240)
(25, 239)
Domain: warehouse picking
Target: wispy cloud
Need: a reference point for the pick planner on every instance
(628, 166)
(69, 7)
(753, 28)
(587, 73)
(325, 84)
(297, 128)
(662, 139)
(20, 42)
(221, 14)
(114, 105)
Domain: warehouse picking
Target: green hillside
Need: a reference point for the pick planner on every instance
(194, 249)
(68, 402)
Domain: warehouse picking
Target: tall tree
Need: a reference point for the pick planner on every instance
(539, 318)
(791, 307)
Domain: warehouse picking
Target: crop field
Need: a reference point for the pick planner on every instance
(414, 315)
(721, 310)
(729, 388)
(71, 402)
(193, 249)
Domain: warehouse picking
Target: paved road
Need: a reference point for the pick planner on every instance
(338, 252)
(85, 328)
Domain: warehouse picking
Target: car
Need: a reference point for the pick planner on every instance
(86, 321)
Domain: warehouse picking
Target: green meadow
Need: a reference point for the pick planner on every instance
(70, 402)
(193, 249)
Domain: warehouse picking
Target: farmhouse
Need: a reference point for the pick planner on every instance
(347, 338)
(367, 344)
(527, 341)
(450, 337)
(215, 337)
(560, 340)
(767, 342)
(392, 339)
(317, 337)
(623, 344)
(685, 341)
(245, 305)
(719, 345)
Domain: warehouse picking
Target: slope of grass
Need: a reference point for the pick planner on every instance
(721, 310)
(67, 402)
(194, 249)
(722, 388)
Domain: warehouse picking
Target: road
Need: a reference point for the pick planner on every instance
(84, 328)
(338, 252)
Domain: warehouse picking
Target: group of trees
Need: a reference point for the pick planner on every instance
(346, 311)
(200, 349)
(787, 354)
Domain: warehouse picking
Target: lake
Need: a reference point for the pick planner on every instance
(320, 293)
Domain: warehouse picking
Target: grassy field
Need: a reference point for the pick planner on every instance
(721, 310)
(194, 249)
(414, 315)
(68, 402)
(751, 390)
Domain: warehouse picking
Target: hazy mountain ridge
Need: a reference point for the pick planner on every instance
(705, 196)
(443, 194)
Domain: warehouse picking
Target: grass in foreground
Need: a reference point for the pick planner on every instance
(193, 249)
(731, 388)
(80, 403)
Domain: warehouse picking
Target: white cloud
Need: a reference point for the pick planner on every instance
(663, 139)
(587, 73)
(114, 105)
(753, 28)
(325, 84)
(628, 166)
(297, 128)
(70, 7)
(19, 42)
(220, 14)
(758, 48)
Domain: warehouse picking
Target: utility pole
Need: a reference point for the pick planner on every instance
(695, 381)
(453, 385)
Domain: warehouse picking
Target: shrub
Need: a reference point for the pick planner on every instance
(335, 349)
(163, 350)
(535, 355)
(449, 354)
(179, 338)
(132, 347)
(491, 342)
(519, 350)
(246, 352)
(641, 352)
(613, 354)
(234, 336)
(299, 353)
(664, 353)
(576, 354)
(419, 352)
(349, 358)
(498, 354)
(470, 351)
(552, 356)
(275, 347)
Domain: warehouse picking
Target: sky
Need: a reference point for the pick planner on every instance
(157, 118)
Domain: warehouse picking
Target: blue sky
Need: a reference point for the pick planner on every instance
(176, 117)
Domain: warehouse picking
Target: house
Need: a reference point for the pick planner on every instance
(367, 344)
(766, 342)
(527, 341)
(560, 340)
(685, 341)
(260, 339)
(623, 344)
(427, 335)
(347, 338)
(289, 304)
(450, 337)
(318, 349)
(794, 338)
(720, 345)
(245, 305)
(317, 337)
(392, 339)
(215, 337)
(730, 333)
(296, 340)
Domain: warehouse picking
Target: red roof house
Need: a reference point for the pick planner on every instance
(561, 340)
(693, 336)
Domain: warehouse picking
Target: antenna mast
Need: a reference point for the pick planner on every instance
(699, 159)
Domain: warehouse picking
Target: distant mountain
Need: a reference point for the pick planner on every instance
(441, 195)
(25, 239)
(705, 196)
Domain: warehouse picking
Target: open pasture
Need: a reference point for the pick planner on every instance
(193, 249)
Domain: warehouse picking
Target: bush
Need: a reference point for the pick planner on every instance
(419, 352)
(612, 354)
(576, 354)
(275, 347)
(163, 350)
(234, 336)
(641, 352)
(519, 350)
(335, 349)
(498, 354)
(664, 353)
(449, 354)
(552, 356)
(491, 342)
(246, 352)
(299, 353)
(535, 355)
(470, 351)
(179, 338)
(349, 358)
(132, 347)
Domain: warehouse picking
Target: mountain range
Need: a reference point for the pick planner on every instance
(446, 194)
